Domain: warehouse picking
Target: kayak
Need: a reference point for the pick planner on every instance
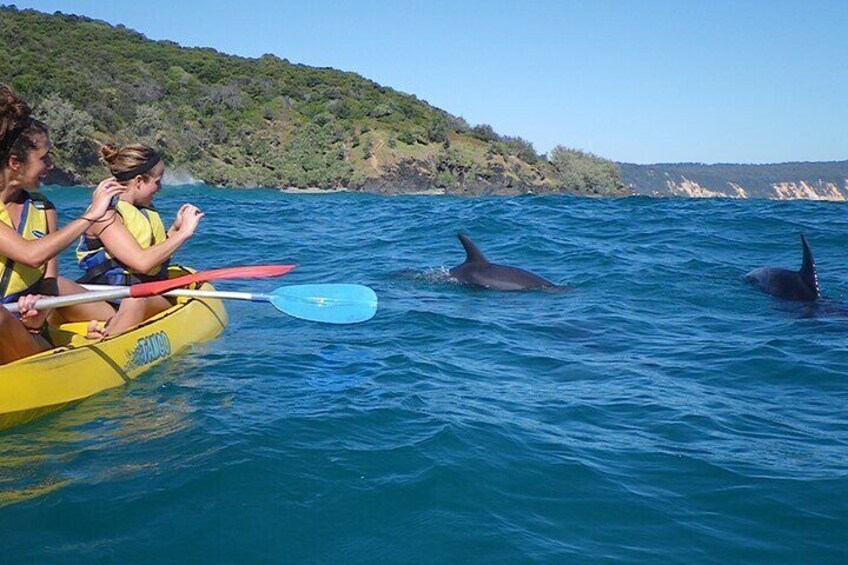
(78, 367)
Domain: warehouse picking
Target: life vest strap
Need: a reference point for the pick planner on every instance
(92, 274)
(9, 264)
(119, 275)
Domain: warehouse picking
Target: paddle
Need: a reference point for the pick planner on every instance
(159, 287)
(328, 303)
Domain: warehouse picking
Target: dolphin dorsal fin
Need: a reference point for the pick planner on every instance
(808, 268)
(472, 254)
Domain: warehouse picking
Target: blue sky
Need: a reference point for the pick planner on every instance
(647, 81)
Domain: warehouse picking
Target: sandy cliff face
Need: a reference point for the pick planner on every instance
(781, 191)
(823, 180)
(816, 191)
(692, 189)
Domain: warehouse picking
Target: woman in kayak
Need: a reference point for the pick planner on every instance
(29, 238)
(132, 245)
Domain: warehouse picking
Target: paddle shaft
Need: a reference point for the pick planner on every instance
(220, 294)
(158, 287)
(329, 303)
(118, 293)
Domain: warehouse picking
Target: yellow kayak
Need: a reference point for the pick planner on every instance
(78, 367)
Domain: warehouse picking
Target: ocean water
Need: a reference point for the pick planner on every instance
(661, 411)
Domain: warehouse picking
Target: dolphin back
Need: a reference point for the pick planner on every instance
(504, 277)
(478, 272)
(801, 285)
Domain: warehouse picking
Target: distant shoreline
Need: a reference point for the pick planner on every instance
(312, 190)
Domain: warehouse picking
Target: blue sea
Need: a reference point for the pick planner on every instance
(660, 411)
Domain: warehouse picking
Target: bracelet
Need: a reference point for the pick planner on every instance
(39, 330)
(103, 228)
(103, 218)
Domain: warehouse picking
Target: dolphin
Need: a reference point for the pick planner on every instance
(801, 286)
(477, 272)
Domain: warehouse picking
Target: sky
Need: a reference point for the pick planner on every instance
(638, 81)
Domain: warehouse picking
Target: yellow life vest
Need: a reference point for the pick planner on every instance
(17, 279)
(147, 229)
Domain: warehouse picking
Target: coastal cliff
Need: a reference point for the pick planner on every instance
(781, 181)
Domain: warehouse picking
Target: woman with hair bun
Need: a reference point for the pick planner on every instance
(131, 245)
(29, 238)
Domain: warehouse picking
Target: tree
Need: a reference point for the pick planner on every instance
(437, 130)
(484, 132)
(71, 131)
(148, 125)
(583, 172)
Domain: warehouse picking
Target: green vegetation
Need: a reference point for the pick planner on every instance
(585, 172)
(260, 122)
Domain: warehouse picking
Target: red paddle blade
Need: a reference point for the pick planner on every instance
(251, 272)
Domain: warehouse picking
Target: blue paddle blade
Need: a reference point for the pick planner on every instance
(329, 303)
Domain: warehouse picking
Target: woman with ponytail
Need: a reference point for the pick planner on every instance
(131, 245)
(30, 240)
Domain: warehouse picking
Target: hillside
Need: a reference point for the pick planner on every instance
(261, 122)
(783, 181)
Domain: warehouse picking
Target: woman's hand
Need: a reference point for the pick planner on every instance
(187, 219)
(178, 221)
(31, 318)
(101, 199)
